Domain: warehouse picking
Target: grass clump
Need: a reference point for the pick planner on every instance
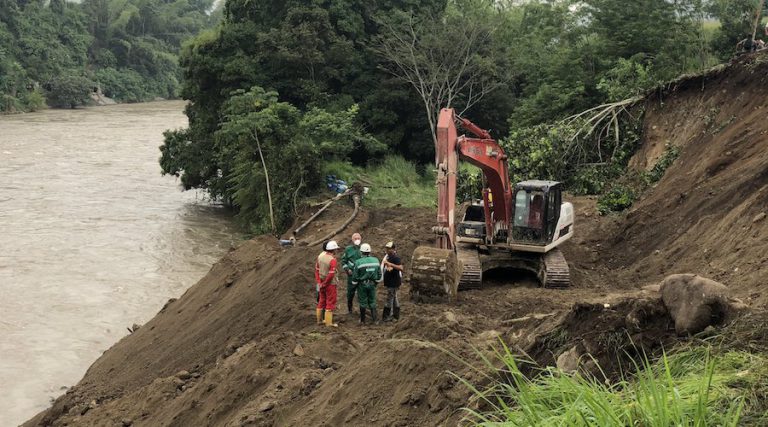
(694, 387)
(394, 181)
(617, 199)
(621, 196)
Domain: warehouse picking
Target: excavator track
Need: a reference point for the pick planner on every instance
(555, 272)
(471, 269)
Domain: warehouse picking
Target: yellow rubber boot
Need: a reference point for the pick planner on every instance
(319, 312)
(329, 319)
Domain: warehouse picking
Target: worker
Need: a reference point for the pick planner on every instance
(327, 281)
(393, 277)
(366, 273)
(351, 254)
(536, 215)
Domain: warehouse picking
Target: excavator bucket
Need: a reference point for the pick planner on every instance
(434, 274)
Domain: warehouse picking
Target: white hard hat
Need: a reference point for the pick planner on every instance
(332, 246)
(365, 247)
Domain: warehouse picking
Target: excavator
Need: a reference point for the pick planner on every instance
(517, 227)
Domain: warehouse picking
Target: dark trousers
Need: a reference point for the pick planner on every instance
(392, 299)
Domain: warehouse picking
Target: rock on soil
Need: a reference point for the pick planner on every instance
(568, 361)
(695, 302)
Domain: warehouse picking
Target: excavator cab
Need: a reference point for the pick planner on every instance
(537, 212)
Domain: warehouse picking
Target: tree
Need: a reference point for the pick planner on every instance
(130, 47)
(445, 58)
(267, 151)
(737, 21)
(69, 91)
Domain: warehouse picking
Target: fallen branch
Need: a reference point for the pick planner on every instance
(356, 199)
(332, 199)
(535, 316)
(326, 205)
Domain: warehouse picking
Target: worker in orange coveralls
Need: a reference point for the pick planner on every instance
(327, 282)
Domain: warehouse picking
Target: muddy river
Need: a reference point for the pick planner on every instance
(92, 240)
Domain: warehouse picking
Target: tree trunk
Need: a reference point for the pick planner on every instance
(759, 15)
(266, 176)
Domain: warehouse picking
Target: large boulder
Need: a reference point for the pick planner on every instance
(695, 302)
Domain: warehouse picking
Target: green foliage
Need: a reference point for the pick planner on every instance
(628, 78)
(33, 100)
(694, 387)
(69, 91)
(448, 58)
(671, 152)
(624, 187)
(567, 59)
(545, 60)
(129, 47)
(617, 199)
(536, 152)
(260, 139)
(736, 19)
(469, 183)
(392, 182)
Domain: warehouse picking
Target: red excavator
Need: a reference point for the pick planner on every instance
(513, 227)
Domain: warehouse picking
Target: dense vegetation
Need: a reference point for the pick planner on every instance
(57, 52)
(370, 77)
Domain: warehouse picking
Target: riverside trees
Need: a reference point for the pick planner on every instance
(534, 62)
(128, 47)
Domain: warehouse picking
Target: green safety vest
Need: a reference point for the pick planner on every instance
(367, 271)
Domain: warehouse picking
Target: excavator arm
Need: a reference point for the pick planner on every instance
(481, 151)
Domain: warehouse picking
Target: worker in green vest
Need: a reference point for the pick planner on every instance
(366, 274)
(351, 254)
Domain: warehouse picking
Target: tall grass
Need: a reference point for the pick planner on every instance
(695, 387)
(394, 181)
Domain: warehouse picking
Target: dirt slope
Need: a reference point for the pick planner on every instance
(241, 348)
(705, 215)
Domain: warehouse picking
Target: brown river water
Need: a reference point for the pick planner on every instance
(92, 240)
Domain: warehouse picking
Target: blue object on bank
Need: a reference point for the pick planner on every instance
(336, 185)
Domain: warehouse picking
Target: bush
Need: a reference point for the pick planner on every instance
(617, 199)
(628, 78)
(123, 85)
(667, 158)
(33, 100)
(69, 91)
(536, 152)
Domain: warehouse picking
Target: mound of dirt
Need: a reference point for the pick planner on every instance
(241, 346)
